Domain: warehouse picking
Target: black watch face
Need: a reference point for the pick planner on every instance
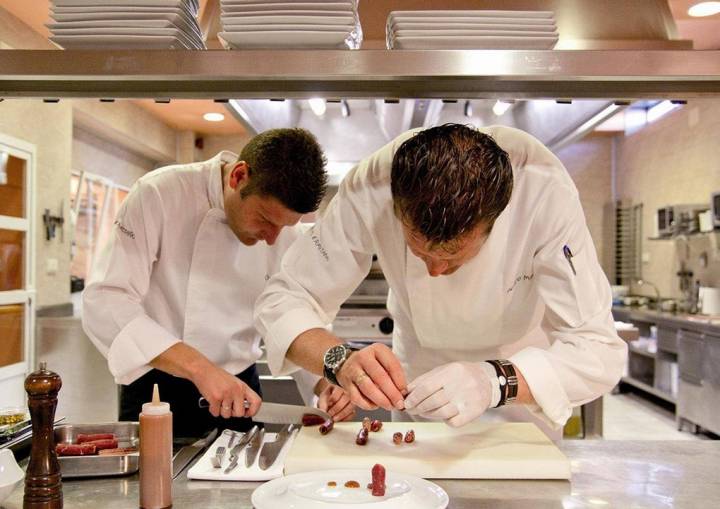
(334, 356)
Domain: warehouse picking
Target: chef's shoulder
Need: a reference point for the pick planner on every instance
(172, 186)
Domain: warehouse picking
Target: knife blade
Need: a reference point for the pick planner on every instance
(278, 413)
(235, 452)
(188, 453)
(253, 448)
(271, 450)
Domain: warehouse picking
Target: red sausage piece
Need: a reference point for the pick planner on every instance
(107, 443)
(362, 437)
(397, 437)
(378, 480)
(410, 436)
(376, 425)
(76, 449)
(82, 438)
(326, 427)
(312, 420)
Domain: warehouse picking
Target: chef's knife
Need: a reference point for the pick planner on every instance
(188, 453)
(253, 448)
(271, 450)
(277, 413)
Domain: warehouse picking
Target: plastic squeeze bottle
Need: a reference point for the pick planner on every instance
(155, 454)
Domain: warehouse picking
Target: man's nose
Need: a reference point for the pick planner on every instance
(271, 234)
(436, 267)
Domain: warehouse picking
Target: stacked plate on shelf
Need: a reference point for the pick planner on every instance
(471, 30)
(125, 24)
(278, 24)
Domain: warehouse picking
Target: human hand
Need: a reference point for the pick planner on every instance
(226, 394)
(373, 377)
(456, 393)
(336, 401)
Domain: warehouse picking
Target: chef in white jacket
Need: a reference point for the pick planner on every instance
(171, 298)
(497, 295)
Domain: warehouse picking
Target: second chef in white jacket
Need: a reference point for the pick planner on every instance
(171, 299)
(495, 288)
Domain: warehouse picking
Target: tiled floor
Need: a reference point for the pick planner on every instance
(632, 417)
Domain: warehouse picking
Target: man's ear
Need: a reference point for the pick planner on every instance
(239, 175)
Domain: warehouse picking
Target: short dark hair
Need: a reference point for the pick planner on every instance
(447, 180)
(287, 164)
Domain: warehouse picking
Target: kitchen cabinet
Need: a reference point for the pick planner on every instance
(699, 390)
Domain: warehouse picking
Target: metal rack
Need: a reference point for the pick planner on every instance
(161, 74)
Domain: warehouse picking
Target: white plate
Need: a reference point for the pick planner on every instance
(189, 4)
(119, 23)
(178, 18)
(472, 26)
(287, 40)
(288, 7)
(474, 14)
(352, 3)
(442, 20)
(189, 40)
(476, 33)
(289, 20)
(113, 11)
(292, 28)
(309, 490)
(474, 42)
(118, 42)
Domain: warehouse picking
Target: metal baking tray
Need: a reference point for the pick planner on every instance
(128, 435)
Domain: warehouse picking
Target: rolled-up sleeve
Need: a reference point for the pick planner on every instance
(318, 273)
(113, 315)
(586, 356)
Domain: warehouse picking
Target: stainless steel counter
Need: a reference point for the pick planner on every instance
(700, 323)
(616, 474)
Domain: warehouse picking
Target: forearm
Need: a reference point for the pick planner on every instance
(181, 360)
(308, 349)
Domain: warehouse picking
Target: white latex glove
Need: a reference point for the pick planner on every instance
(456, 393)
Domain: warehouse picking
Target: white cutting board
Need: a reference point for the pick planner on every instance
(475, 451)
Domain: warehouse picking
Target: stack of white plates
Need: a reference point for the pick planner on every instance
(125, 24)
(471, 30)
(266, 24)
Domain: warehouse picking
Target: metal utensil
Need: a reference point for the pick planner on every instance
(277, 413)
(235, 452)
(217, 458)
(188, 453)
(271, 450)
(254, 448)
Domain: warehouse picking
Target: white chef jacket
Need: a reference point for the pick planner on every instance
(174, 271)
(517, 299)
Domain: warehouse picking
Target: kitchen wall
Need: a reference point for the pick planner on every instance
(217, 143)
(674, 160)
(589, 163)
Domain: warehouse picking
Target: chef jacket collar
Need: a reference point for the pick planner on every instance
(215, 183)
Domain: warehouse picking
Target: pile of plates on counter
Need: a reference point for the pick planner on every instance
(471, 30)
(125, 24)
(278, 24)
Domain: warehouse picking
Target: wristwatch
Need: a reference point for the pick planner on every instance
(333, 360)
(507, 378)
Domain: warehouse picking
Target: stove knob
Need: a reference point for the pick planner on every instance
(386, 325)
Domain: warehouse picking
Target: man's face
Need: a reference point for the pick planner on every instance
(446, 259)
(254, 217)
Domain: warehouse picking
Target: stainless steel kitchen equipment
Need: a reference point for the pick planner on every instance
(235, 451)
(128, 435)
(189, 452)
(253, 448)
(271, 450)
(679, 219)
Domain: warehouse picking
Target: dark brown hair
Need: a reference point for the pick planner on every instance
(287, 164)
(447, 180)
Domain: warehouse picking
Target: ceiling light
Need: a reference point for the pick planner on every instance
(214, 117)
(660, 109)
(704, 9)
(318, 106)
(501, 107)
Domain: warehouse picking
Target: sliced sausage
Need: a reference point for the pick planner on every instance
(378, 480)
(91, 437)
(312, 420)
(326, 427)
(85, 449)
(362, 437)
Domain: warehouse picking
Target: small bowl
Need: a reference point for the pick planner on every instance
(10, 474)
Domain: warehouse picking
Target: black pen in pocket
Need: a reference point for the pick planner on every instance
(568, 256)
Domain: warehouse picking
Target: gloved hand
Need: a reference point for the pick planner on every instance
(456, 393)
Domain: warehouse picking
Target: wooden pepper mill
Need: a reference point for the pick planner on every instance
(43, 488)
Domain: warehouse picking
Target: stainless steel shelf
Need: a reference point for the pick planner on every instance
(613, 74)
(640, 351)
(649, 389)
